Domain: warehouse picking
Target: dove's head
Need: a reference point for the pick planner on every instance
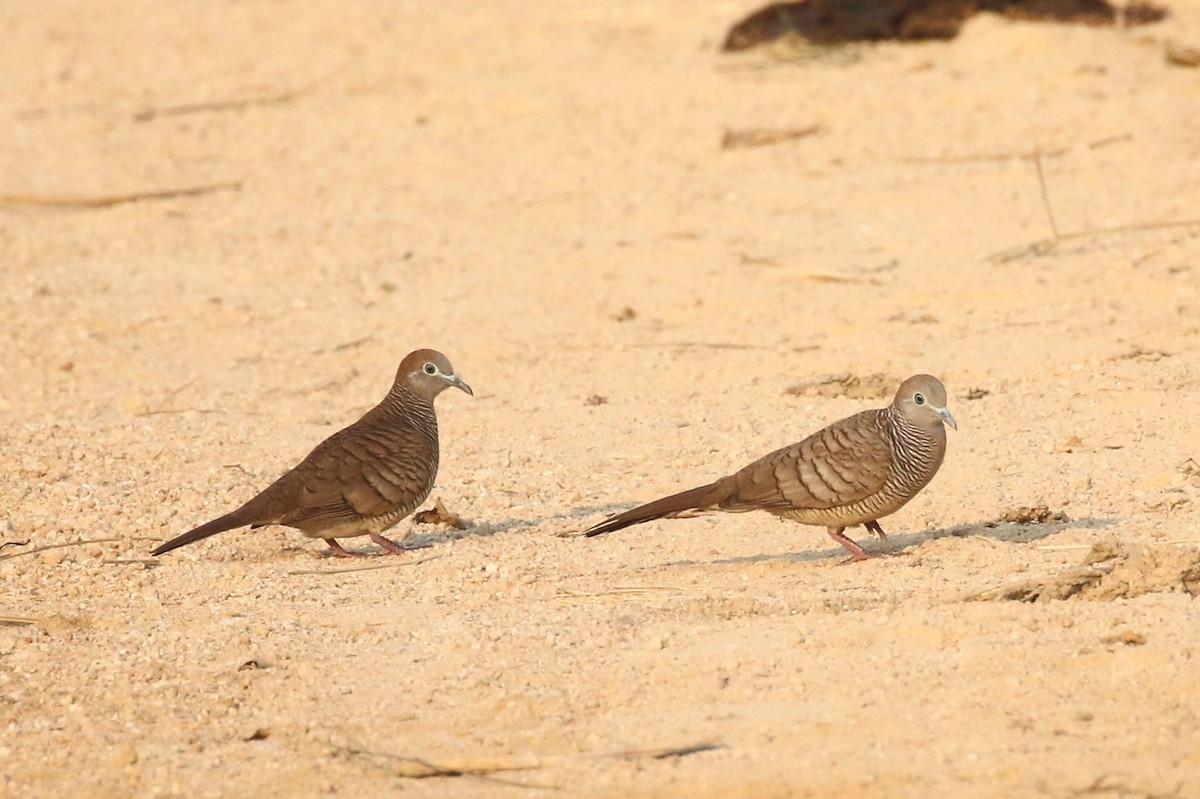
(922, 399)
(429, 373)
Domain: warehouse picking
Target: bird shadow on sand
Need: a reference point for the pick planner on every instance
(897, 544)
(568, 531)
(422, 537)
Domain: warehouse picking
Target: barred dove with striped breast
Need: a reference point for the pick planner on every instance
(363, 479)
(855, 471)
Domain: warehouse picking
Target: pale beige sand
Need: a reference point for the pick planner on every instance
(500, 180)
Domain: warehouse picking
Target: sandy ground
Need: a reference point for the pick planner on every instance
(539, 191)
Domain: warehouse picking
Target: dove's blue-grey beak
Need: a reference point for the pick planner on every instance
(458, 382)
(946, 417)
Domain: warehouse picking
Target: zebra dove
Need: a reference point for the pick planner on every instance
(362, 479)
(853, 472)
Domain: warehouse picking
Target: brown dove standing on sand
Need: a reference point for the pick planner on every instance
(362, 479)
(855, 471)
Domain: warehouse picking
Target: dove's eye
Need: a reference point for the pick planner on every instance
(919, 398)
(430, 369)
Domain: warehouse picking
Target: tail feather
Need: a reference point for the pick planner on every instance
(229, 521)
(693, 499)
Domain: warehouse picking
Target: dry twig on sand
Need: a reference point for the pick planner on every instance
(372, 567)
(239, 104)
(81, 543)
(762, 137)
(423, 768)
(68, 202)
(1043, 246)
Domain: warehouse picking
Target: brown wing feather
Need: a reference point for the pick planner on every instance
(357, 473)
(841, 464)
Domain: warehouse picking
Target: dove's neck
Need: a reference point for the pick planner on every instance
(408, 407)
(918, 450)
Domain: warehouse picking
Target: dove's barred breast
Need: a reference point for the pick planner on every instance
(405, 464)
(387, 467)
(913, 457)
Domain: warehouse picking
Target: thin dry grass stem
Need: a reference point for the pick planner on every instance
(18, 621)
(68, 202)
(372, 567)
(1106, 785)
(345, 345)
(171, 395)
(818, 277)
(149, 114)
(712, 345)
(482, 767)
(1037, 162)
(1044, 246)
(81, 543)
(763, 137)
(1022, 154)
(627, 590)
(1177, 542)
(238, 104)
(661, 753)
(419, 768)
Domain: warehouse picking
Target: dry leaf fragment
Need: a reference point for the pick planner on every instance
(1182, 55)
(1127, 637)
(1071, 444)
(1191, 580)
(872, 386)
(761, 137)
(1038, 514)
(439, 515)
